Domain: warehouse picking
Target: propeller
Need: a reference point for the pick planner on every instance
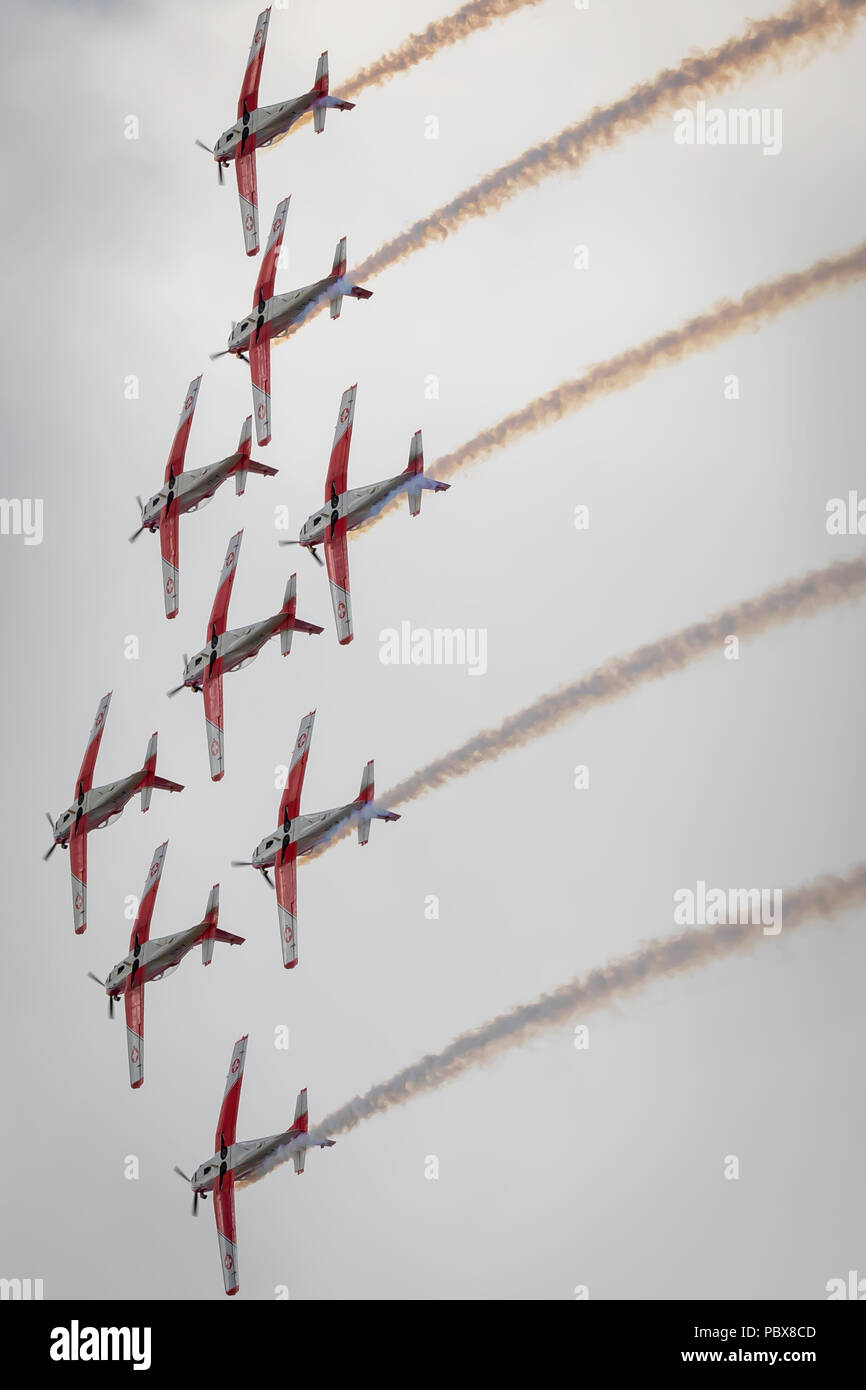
(203, 146)
(135, 535)
(194, 1195)
(248, 864)
(309, 549)
(102, 985)
(49, 852)
(177, 689)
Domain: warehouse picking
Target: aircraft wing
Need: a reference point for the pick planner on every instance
(184, 424)
(249, 97)
(337, 561)
(286, 875)
(290, 804)
(168, 545)
(78, 867)
(260, 372)
(268, 271)
(213, 714)
(88, 762)
(338, 468)
(219, 612)
(147, 901)
(228, 1117)
(224, 1211)
(134, 1001)
(245, 169)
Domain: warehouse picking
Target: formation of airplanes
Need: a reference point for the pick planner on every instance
(183, 491)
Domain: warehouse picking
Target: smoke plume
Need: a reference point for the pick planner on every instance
(797, 598)
(659, 959)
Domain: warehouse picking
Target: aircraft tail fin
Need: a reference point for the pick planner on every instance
(301, 1121)
(244, 446)
(338, 269)
(150, 778)
(292, 623)
(419, 482)
(365, 796)
(288, 609)
(149, 773)
(321, 90)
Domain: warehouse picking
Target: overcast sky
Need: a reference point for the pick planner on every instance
(557, 1167)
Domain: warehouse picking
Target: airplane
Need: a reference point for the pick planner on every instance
(95, 807)
(258, 126)
(297, 835)
(272, 315)
(346, 509)
(152, 959)
(230, 650)
(187, 492)
(235, 1163)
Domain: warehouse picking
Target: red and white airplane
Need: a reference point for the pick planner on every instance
(95, 807)
(272, 315)
(187, 492)
(347, 508)
(150, 960)
(230, 650)
(297, 835)
(237, 1162)
(258, 126)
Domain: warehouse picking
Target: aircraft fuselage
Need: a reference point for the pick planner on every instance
(97, 807)
(354, 506)
(189, 490)
(242, 1159)
(304, 831)
(155, 959)
(233, 649)
(265, 124)
(280, 312)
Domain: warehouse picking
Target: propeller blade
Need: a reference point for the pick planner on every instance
(111, 1006)
(309, 549)
(177, 689)
(135, 535)
(48, 853)
(91, 976)
(243, 864)
(215, 355)
(181, 1173)
(220, 175)
(49, 819)
(268, 880)
(195, 1204)
(202, 146)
